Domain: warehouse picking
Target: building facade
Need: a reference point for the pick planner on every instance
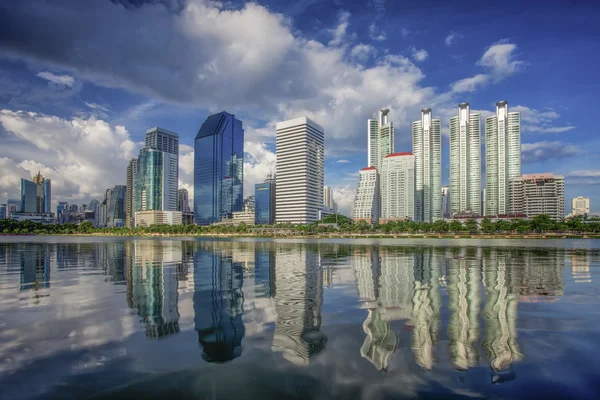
(183, 201)
(130, 200)
(218, 168)
(36, 195)
(446, 210)
(580, 205)
(366, 202)
(465, 161)
(300, 171)
(14, 205)
(264, 203)
(535, 194)
(116, 207)
(502, 158)
(157, 217)
(397, 187)
(3, 211)
(380, 138)
(427, 149)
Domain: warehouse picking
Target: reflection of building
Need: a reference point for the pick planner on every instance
(426, 303)
(464, 296)
(218, 304)
(155, 286)
(35, 266)
(580, 267)
(298, 304)
(500, 313)
(218, 168)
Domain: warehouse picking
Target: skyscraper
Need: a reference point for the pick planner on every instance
(115, 211)
(366, 202)
(397, 187)
(264, 202)
(36, 195)
(300, 171)
(328, 197)
(502, 158)
(157, 172)
(130, 200)
(427, 149)
(465, 161)
(3, 211)
(380, 138)
(218, 168)
(183, 200)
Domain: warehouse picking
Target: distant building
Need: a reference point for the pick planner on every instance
(14, 205)
(62, 212)
(183, 201)
(264, 202)
(43, 218)
(446, 210)
(116, 210)
(366, 202)
(3, 211)
(300, 171)
(130, 198)
(187, 218)
(36, 195)
(157, 217)
(397, 187)
(580, 205)
(427, 149)
(218, 168)
(535, 194)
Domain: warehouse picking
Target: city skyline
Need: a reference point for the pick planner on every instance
(348, 67)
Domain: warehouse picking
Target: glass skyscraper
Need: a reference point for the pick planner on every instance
(218, 168)
(264, 203)
(115, 215)
(36, 195)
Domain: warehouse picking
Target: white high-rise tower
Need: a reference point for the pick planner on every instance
(380, 139)
(465, 161)
(300, 171)
(427, 149)
(502, 158)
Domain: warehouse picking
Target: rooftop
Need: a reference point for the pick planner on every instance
(368, 168)
(404, 153)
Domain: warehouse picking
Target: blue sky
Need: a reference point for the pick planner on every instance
(80, 82)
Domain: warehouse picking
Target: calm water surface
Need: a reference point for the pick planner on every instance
(117, 318)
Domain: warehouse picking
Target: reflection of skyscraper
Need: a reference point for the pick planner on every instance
(580, 267)
(464, 298)
(218, 305)
(500, 313)
(35, 266)
(426, 304)
(264, 272)
(298, 305)
(155, 287)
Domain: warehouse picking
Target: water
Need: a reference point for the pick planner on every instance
(119, 318)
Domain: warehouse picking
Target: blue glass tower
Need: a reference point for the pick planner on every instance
(218, 168)
(264, 205)
(29, 199)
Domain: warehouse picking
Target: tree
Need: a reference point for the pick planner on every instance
(471, 225)
(541, 223)
(488, 226)
(456, 226)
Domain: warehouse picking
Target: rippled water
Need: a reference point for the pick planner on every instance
(258, 319)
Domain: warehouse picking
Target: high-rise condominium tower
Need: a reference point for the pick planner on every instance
(218, 169)
(380, 139)
(300, 171)
(130, 195)
(157, 172)
(465, 161)
(427, 149)
(397, 181)
(502, 158)
(366, 202)
(328, 201)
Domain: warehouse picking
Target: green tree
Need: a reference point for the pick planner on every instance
(488, 226)
(542, 223)
(456, 226)
(471, 225)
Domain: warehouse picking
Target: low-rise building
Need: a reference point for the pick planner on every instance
(535, 194)
(43, 218)
(155, 217)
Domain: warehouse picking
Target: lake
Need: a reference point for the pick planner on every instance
(154, 318)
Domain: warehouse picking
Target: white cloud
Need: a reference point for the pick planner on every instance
(376, 34)
(583, 177)
(259, 162)
(499, 58)
(469, 84)
(452, 38)
(362, 53)
(344, 197)
(342, 161)
(533, 120)
(339, 33)
(419, 55)
(547, 150)
(60, 80)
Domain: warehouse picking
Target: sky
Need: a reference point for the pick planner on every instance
(81, 81)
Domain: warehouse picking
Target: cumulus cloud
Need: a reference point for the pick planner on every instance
(362, 53)
(344, 197)
(376, 34)
(583, 177)
(59, 80)
(339, 33)
(452, 38)
(533, 120)
(419, 55)
(342, 161)
(546, 151)
(469, 84)
(259, 162)
(500, 59)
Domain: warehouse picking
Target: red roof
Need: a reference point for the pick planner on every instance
(367, 168)
(404, 153)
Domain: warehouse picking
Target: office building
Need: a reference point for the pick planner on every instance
(328, 201)
(130, 202)
(183, 201)
(502, 158)
(300, 171)
(115, 211)
(3, 211)
(102, 216)
(14, 206)
(580, 205)
(94, 206)
(157, 172)
(146, 218)
(62, 212)
(36, 195)
(380, 138)
(427, 149)
(264, 202)
(397, 182)
(535, 194)
(218, 168)
(446, 210)
(465, 161)
(366, 202)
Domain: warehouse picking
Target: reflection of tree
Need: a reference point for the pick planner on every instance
(464, 298)
(218, 305)
(426, 304)
(299, 282)
(500, 313)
